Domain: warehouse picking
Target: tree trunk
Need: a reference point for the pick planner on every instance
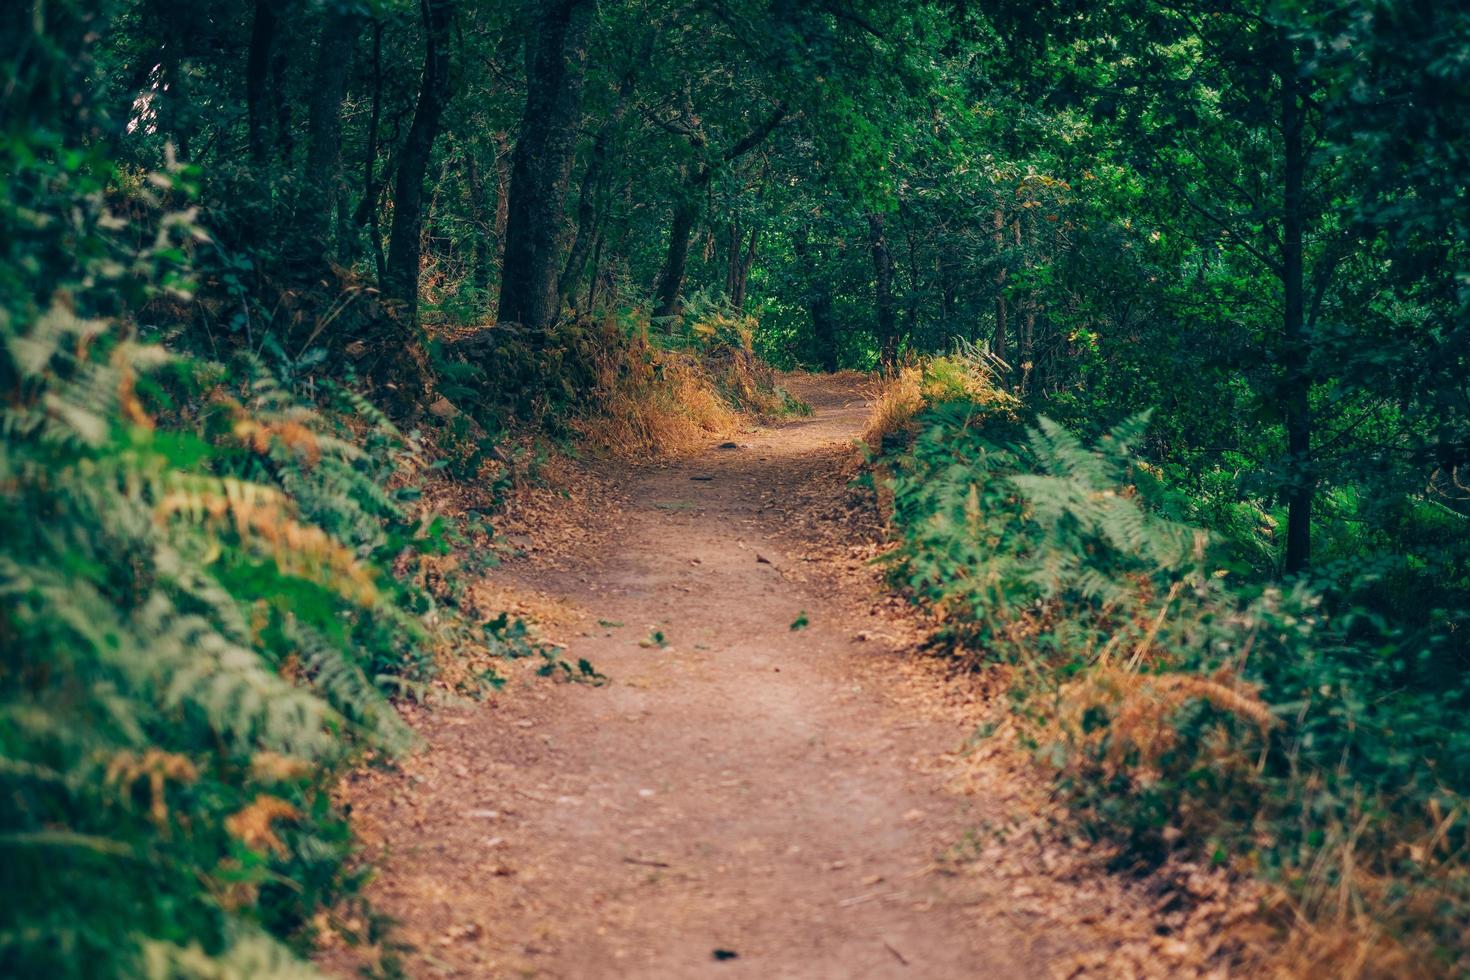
(824, 330)
(586, 231)
(671, 280)
(369, 164)
(502, 195)
(883, 294)
(593, 182)
(912, 299)
(1296, 381)
(734, 239)
(404, 237)
(998, 342)
(556, 67)
(686, 208)
(257, 81)
(944, 270)
(324, 134)
(481, 219)
(818, 303)
(285, 136)
(742, 272)
(596, 273)
(173, 101)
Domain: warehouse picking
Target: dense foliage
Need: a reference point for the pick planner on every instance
(235, 233)
(1302, 732)
(198, 624)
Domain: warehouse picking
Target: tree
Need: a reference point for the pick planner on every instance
(556, 64)
(321, 178)
(688, 197)
(401, 279)
(883, 293)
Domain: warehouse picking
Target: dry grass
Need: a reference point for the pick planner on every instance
(901, 397)
(546, 611)
(652, 401)
(898, 400)
(253, 825)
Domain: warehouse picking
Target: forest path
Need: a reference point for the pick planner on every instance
(750, 789)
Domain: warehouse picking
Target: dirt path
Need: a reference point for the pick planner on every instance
(748, 789)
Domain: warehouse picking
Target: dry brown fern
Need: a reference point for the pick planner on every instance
(253, 825)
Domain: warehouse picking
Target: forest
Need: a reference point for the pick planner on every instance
(322, 321)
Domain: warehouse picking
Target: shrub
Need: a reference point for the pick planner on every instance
(615, 384)
(197, 619)
(1285, 732)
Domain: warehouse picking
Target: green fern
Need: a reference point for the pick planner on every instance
(181, 596)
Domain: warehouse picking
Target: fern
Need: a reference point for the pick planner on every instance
(198, 594)
(1095, 527)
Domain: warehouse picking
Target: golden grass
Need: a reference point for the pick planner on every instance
(665, 405)
(159, 768)
(651, 401)
(1141, 707)
(916, 386)
(898, 400)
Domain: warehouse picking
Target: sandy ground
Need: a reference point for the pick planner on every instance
(747, 800)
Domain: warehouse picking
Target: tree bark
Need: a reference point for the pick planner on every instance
(824, 329)
(818, 304)
(998, 342)
(944, 273)
(596, 273)
(912, 296)
(742, 272)
(257, 81)
(482, 220)
(1027, 339)
(734, 240)
(1296, 379)
(502, 194)
(556, 67)
(320, 183)
(367, 210)
(586, 231)
(671, 279)
(883, 294)
(594, 182)
(404, 237)
(285, 136)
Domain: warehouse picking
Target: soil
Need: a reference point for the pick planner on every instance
(748, 796)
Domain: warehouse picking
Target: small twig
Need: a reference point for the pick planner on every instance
(650, 864)
(859, 899)
(896, 954)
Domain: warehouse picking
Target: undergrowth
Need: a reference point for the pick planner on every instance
(212, 575)
(1292, 733)
(616, 385)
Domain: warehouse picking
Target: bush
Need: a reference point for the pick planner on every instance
(197, 617)
(1290, 733)
(615, 384)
